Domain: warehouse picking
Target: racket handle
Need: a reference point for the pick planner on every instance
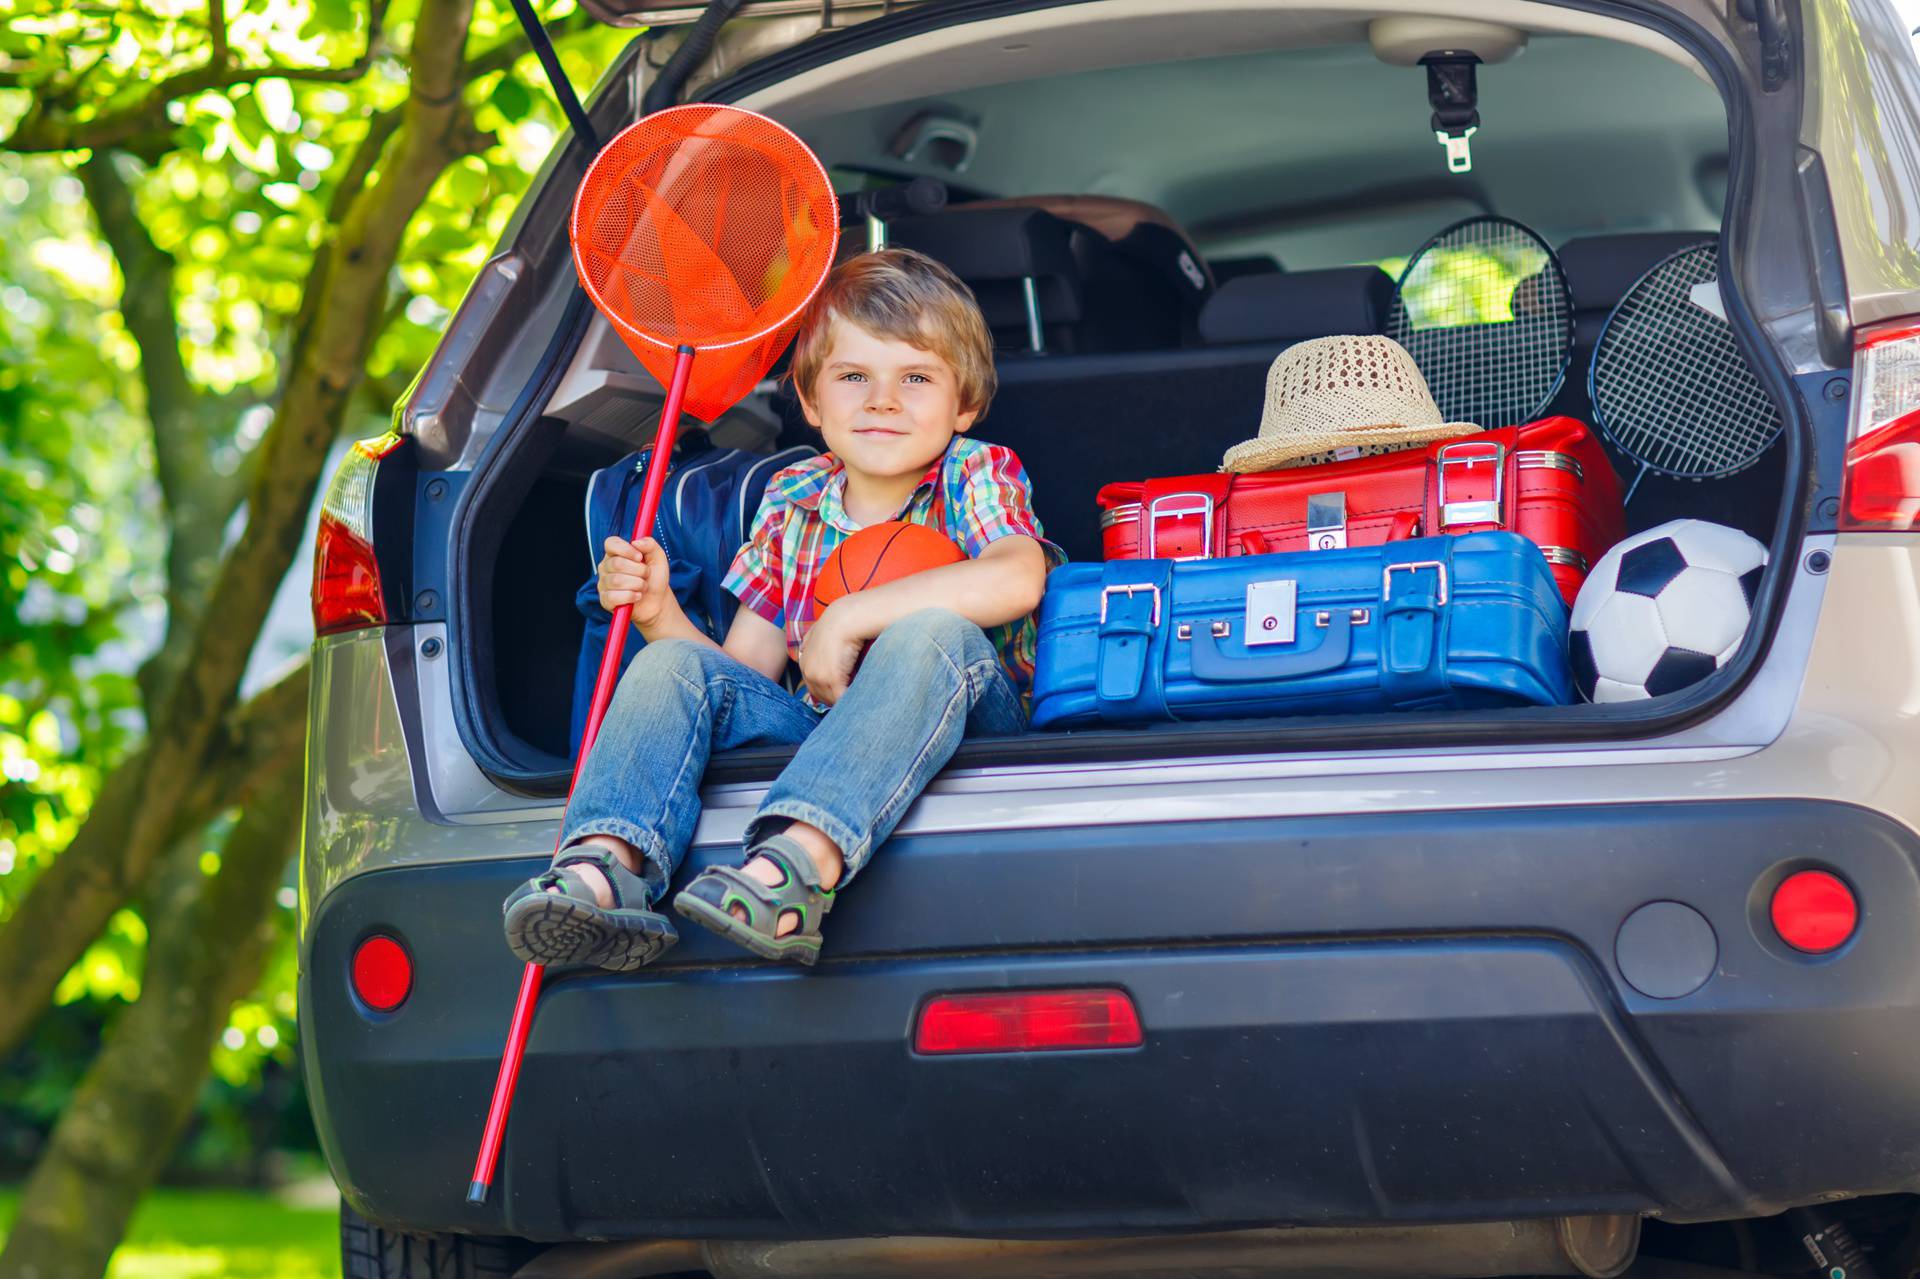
(522, 1024)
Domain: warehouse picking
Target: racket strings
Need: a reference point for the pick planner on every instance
(1669, 385)
(1485, 312)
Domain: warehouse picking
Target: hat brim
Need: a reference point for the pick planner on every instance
(1277, 455)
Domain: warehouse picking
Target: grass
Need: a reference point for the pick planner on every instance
(219, 1234)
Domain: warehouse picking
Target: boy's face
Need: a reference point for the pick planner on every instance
(887, 408)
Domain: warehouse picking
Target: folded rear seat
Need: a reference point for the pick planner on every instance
(1081, 421)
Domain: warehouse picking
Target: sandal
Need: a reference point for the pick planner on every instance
(571, 927)
(710, 898)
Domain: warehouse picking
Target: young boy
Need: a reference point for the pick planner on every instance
(893, 364)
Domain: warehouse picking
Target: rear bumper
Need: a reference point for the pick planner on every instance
(1363, 1019)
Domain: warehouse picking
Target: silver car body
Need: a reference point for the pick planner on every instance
(1833, 711)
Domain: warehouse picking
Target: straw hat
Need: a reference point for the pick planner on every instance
(1340, 397)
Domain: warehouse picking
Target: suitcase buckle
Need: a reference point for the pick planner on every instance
(1127, 589)
(1160, 508)
(1483, 511)
(1413, 566)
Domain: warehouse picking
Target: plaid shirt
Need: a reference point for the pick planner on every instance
(984, 492)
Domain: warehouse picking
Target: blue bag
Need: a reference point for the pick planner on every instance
(1431, 623)
(706, 512)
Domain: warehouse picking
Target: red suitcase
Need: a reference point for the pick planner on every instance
(1549, 481)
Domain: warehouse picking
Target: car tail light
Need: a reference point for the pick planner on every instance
(1881, 490)
(382, 973)
(346, 577)
(1814, 911)
(1024, 1021)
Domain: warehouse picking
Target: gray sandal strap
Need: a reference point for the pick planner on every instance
(711, 897)
(639, 891)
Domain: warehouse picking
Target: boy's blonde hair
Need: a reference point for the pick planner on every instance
(908, 297)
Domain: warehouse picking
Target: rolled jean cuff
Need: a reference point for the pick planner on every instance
(854, 848)
(656, 870)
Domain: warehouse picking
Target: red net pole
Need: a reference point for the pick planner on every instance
(522, 1023)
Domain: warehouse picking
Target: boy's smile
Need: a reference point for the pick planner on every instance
(888, 410)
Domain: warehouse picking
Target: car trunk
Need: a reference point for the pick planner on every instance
(1080, 418)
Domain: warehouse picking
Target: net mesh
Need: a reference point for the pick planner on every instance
(1669, 384)
(1485, 312)
(710, 227)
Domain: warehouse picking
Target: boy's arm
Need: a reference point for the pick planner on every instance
(1000, 585)
(754, 641)
(636, 574)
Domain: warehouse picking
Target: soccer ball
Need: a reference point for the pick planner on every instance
(1663, 609)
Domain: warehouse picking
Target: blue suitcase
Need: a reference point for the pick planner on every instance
(1430, 623)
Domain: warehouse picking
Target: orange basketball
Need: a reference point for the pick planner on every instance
(882, 553)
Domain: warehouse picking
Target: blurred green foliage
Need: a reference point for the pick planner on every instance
(240, 186)
(1453, 286)
(214, 1234)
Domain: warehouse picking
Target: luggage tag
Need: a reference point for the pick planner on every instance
(1326, 521)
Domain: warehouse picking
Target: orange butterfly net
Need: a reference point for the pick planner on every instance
(701, 233)
(710, 227)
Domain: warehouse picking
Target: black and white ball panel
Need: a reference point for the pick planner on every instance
(1662, 610)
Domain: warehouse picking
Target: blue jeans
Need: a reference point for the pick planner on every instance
(928, 680)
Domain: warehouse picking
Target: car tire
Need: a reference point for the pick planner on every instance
(370, 1251)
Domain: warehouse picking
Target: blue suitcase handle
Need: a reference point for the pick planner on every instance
(1215, 667)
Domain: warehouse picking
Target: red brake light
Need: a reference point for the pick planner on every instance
(1018, 1021)
(382, 973)
(1814, 911)
(346, 581)
(1881, 488)
(346, 577)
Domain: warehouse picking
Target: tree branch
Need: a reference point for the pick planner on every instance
(92, 877)
(509, 51)
(72, 900)
(185, 423)
(47, 126)
(381, 127)
(217, 32)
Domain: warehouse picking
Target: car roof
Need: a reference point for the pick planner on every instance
(1324, 155)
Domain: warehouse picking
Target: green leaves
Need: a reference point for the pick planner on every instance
(512, 99)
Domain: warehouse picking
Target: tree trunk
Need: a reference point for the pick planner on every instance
(62, 913)
(209, 938)
(266, 734)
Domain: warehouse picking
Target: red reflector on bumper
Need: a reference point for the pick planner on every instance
(1814, 911)
(382, 973)
(1025, 1021)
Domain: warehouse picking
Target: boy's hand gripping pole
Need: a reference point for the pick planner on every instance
(522, 1022)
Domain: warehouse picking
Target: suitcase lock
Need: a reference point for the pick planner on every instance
(1471, 453)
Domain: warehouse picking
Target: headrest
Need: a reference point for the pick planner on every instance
(1134, 226)
(990, 244)
(1225, 269)
(1301, 304)
(1601, 268)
